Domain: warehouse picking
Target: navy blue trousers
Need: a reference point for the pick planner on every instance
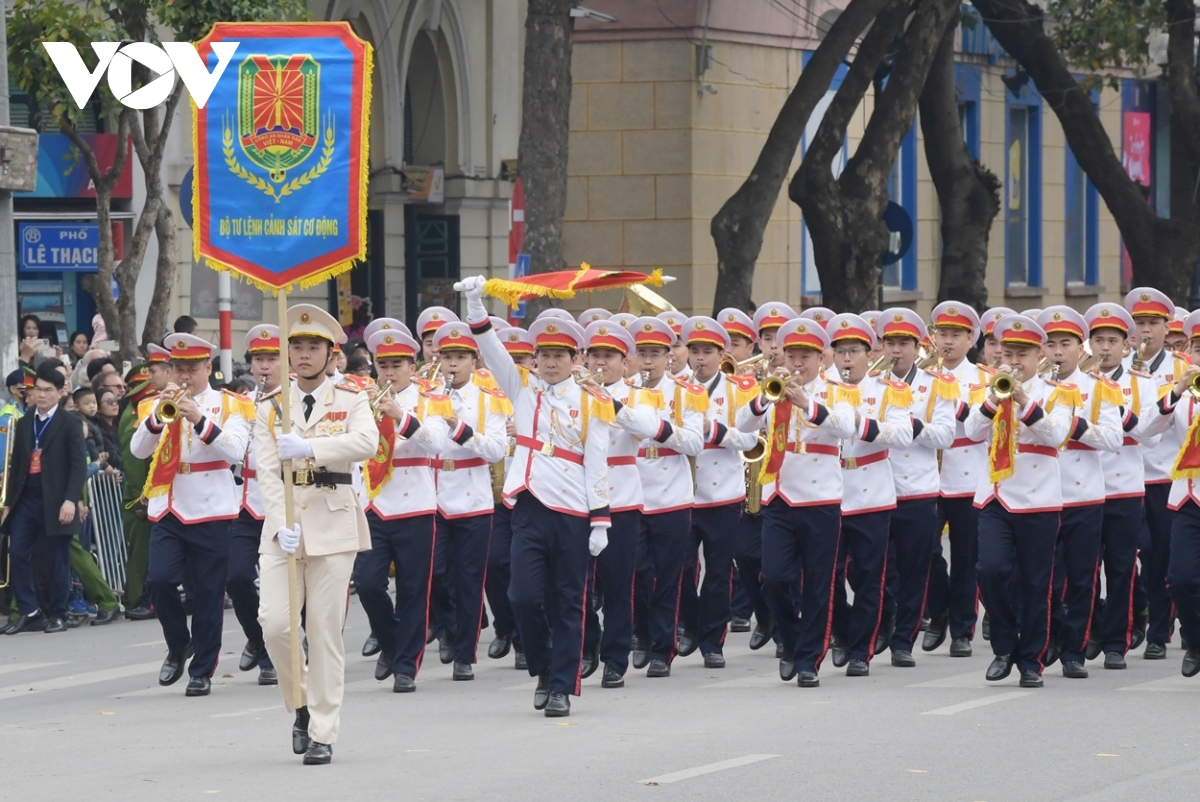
(1016, 563)
(1123, 519)
(199, 551)
(499, 575)
(614, 570)
(954, 589)
(1183, 571)
(400, 626)
(704, 607)
(864, 554)
(550, 548)
(27, 529)
(800, 545)
(460, 558)
(748, 556)
(245, 536)
(662, 551)
(1076, 570)
(1156, 555)
(913, 532)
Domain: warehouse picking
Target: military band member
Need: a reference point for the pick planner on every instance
(720, 493)
(1152, 311)
(192, 499)
(332, 431)
(667, 484)
(1096, 428)
(882, 422)
(802, 495)
(1177, 341)
(952, 602)
(1020, 499)
(989, 355)
(478, 437)
(678, 359)
(428, 322)
(559, 487)
(401, 505)
(589, 316)
(914, 523)
(245, 533)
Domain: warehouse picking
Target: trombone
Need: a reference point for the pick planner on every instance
(731, 367)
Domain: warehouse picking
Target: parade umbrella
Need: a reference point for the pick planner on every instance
(565, 283)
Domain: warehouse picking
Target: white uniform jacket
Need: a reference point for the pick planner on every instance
(935, 401)
(561, 455)
(1175, 416)
(636, 420)
(1095, 429)
(251, 493)
(1124, 472)
(884, 423)
(420, 436)
(663, 459)
(464, 480)
(203, 488)
(1159, 457)
(966, 459)
(720, 473)
(811, 470)
(1035, 485)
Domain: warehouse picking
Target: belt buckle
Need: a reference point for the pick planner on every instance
(652, 452)
(851, 463)
(801, 447)
(547, 449)
(184, 468)
(447, 465)
(303, 477)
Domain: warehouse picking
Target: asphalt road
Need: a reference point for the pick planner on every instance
(82, 716)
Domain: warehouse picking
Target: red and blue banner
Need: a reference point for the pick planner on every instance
(281, 153)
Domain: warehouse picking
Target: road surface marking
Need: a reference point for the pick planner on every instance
(699, 771)
(12, 668)
(1173, 684)
(973, 679)
(976, 703)
(756, 681)
(247, 712)
(77, 680)
(525, 686)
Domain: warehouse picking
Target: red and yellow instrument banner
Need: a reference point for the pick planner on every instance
(1002, 457)
(379, 467)
(165, 462)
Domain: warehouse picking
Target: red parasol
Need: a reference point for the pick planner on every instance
(565, 283)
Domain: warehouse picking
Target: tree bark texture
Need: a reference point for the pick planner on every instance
(740, 225)
(968, 193)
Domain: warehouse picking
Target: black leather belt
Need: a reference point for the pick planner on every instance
(320, 477)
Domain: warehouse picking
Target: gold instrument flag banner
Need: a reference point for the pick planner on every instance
(1002, 457)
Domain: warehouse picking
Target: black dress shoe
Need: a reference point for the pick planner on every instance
(403, 683)
(370, 648)
(935, 634)
(499, 647)
(986, 628)
(858, 668)
(250, 656)
(300, 737)
(172, 667)
(1073, 670)
(739, 624)
(318, 754)
(55, 625)
(446, 651)
(1094, 648)
(26, 623)
(837, 652)
(787, 669)
(714, 660)
(383, 667)
(519, 661)
(761, 636)
(924, 624)
(1191, 663)
(558, 705)
(139, 613)
(431, 635)
(641, 654)
(778, 651)
(612, 679)
(267, 675)
(198, 686)
(960, 647)
(687, 643)
(884, 636)
(104, 617)
(1000, 668)
(1114, 660)
(1051, 655)
(1155, 651)
(1031, 679)
(590, 663)
(658, 668)
(902, 658)
(1140, 619)
(808, 679)
(463, 672)
(541, 694)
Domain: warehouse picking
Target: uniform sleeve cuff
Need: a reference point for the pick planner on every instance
(153, 424)
(600, 517)
(717, 435)
(870, 430)
(1078, 427)
(988, 410)
(480, 327)
(664, 432)
(819, 413)
(917, 426)
(1035, 414)
(207, 431)
(409, 426)
(759, 406)
(1166, 404)
(962, 412)
(1131, 421)
(462, 434)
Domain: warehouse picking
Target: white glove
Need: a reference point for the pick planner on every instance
(472, 287)
(289, 539)
(293, 446)
(598, 540)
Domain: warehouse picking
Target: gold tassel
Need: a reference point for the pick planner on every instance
(946, 387)
(603, 410)
(499, 404)
(978, 395)
(1066, 394)
(439, 406)
(895, 397)
(849, 394)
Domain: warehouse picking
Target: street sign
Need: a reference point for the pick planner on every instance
(60, 246)
(521, 270)
(900, 225)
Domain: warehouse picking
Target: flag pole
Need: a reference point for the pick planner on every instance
(285, 416)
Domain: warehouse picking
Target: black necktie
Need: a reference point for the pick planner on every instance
(308, 405)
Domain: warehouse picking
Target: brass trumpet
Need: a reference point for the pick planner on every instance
(168, 408)
(589, 377)
(878, 364)
(1002, 385)
(773, 388)
(1194, 385)
(382, 395)
(731, 367)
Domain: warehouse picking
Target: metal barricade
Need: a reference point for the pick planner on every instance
(108, 529)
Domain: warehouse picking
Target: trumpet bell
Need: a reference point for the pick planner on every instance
(1002, 385)
(728, 366)
(773, 388)
(168, 411)
(755, 454)
(1194, 385)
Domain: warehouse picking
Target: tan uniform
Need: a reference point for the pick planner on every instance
(333, 529)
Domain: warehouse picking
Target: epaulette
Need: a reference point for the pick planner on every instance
(348, 387)
(493, 391)
(1141, 373)
(697, 389)
(426, 385)
(238, 396)
(988, 369)
(484, 380)
(949, 378)
(895, 385)
(745, 382)
(498, 402)
(596, 393)
(1108, 382)
(843, 385)
(271, 394)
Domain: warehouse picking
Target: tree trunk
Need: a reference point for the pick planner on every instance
(545, 122)
(164, 278)
(1162, 251)
(968, 193)
(739, 226)
(1181, 81)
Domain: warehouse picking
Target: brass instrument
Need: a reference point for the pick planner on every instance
(731, 367)
(1043, 365)
(1002, 385)
(239, 467)
(1139, 359)
(878, 364)
(430, 370)
(755, 454)
(5, 556)
(589, 377)
(380, 397)
(846, 376)
(1089, 362)
(1194, 385)
(644, 302)
(751, 459)
(774, 387)
(168, 408)
(934, 357)
(1054, 372)
(645, 378)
